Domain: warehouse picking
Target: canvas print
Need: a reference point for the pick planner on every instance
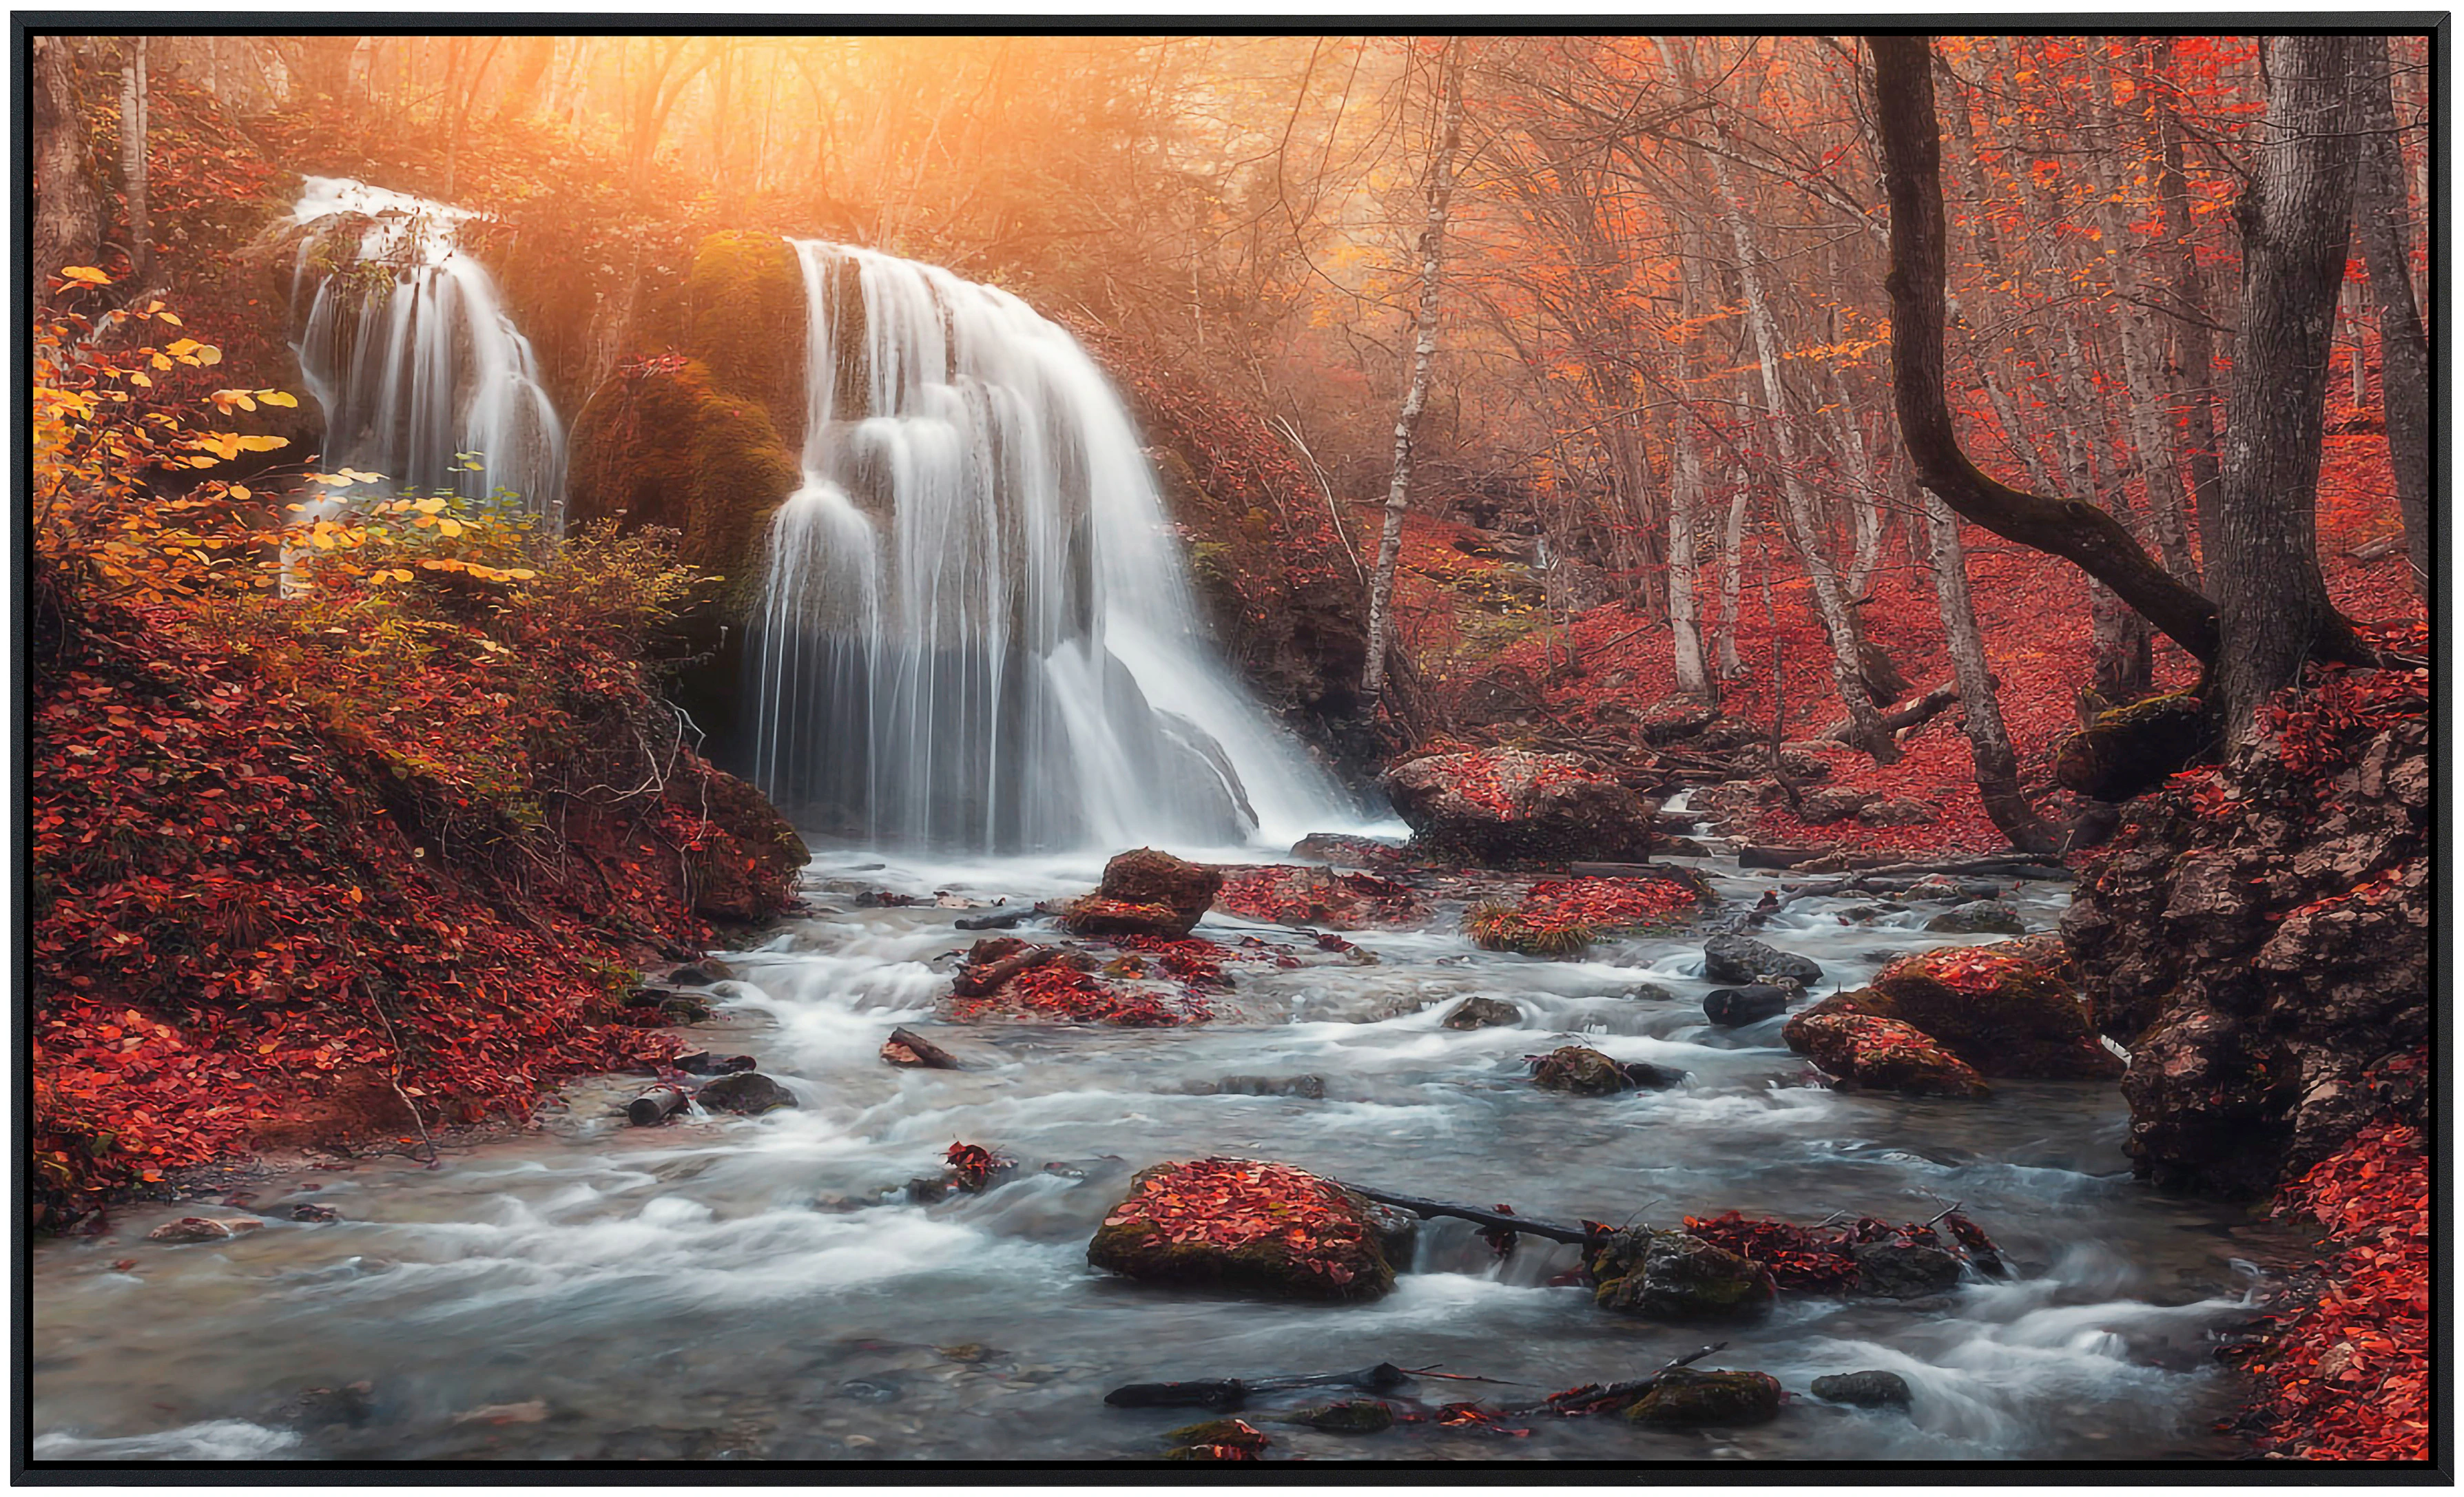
(1065, 746)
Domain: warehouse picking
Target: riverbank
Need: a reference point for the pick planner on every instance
(355, 866)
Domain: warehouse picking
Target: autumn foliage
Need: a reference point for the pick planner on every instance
(2347, 1376)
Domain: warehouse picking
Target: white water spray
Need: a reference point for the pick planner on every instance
(975, 631)
(414, 358)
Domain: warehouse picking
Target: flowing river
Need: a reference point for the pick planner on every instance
(756, 1288)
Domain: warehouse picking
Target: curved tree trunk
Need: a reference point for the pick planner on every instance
(1988, 740)
(2270, 601)
(2073, 529)
(1433, 240)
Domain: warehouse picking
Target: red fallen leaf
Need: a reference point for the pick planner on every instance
(1470, 1416)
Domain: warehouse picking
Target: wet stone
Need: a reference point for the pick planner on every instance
(1688, 1397)
(1867, 1389)
(1482, 1013)
(1352, 1417)
(1905, 1270)
(745, 1091)
(1731, 1008)
(1743, 960)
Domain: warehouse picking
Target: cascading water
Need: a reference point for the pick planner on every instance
(975, 630)
(411, 354)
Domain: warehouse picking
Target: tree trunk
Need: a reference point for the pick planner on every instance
(68, 210)
(1988, 740)
(1684, 502)
(1866, 512)
(2193, 343)
(132, 160)
(2295, 215)
(2383, 215)
(2123, 660)
(1830, 601)
(2069, 528)
(1433, 238)
(1732, 569)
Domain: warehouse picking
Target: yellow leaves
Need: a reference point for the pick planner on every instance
(485, 573)
(140, 376)
(431, 505)
(86, 273)
(226, 401)
(228, 444)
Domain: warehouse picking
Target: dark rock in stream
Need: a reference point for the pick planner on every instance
(1734, 1008)
(1867, 1389)
(1675, 1276)
(1905, 1270)
(1686, 1397)
(1311, 1087)
(1145, 892)
(1586, 1073)
(1979, 917)
(1004, 921)
(317, 1408)
(702, 973)
(1743, 960)
(744, 1091)
(1646, 993)
(1482, 1013)
(1352, 1417)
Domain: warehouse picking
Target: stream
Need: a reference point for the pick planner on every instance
(743, 1288)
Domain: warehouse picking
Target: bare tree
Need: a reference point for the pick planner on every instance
(2295, 217)
(133, 92)
(1988, 740)
(1424, 350)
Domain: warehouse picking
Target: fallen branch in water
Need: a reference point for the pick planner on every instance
(1497, 1220)
(1593, 1398)
(1231, 1392)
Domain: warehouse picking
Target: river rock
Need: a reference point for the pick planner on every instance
(1903, 1270)
(1646, 993)
(202, 1229)
(1685, 1398)
(1482, 1013)
(1979, 917)
(1503, 806)
(1145, 892)
(1585, 1071)
(1867, 1389)
(1733, 1007)
(1675, 1276)
(1743, 960)
(1349, 851)
(744, 1091)
(1226, 1433)
(702, 973)
(1352, 1417)
(1247, 1226)
(2008, 1010)
(1861, 1050)
(1310, 1087)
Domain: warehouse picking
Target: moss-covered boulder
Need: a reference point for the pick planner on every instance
(1352, 1417)
(662, 443)
(1675, 1276)
(1861, 1050)
(1248, 1225)
(1482, 1013)
(2130, 751)
(1979, 917)
(1686, 1398)
(745, 319)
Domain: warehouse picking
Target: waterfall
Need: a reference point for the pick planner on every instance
(415, 359)
(975, 630)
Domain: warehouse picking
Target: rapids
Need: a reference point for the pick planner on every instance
(757, 1288)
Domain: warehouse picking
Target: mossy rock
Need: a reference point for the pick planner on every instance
(1685, 1398)
(745, 319)
(1979, 917)
(1235, 1434)
(2130, 751)
(661, 445)
(1677, 1277)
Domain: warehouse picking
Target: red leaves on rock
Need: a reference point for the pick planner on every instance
(1608, 903)
(1471, 1416)
(973, 1165)
(1303, 894)
(1058, 990)
(1236, 1203)
(2346, 1377)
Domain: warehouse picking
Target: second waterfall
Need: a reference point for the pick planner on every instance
(975, 631)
